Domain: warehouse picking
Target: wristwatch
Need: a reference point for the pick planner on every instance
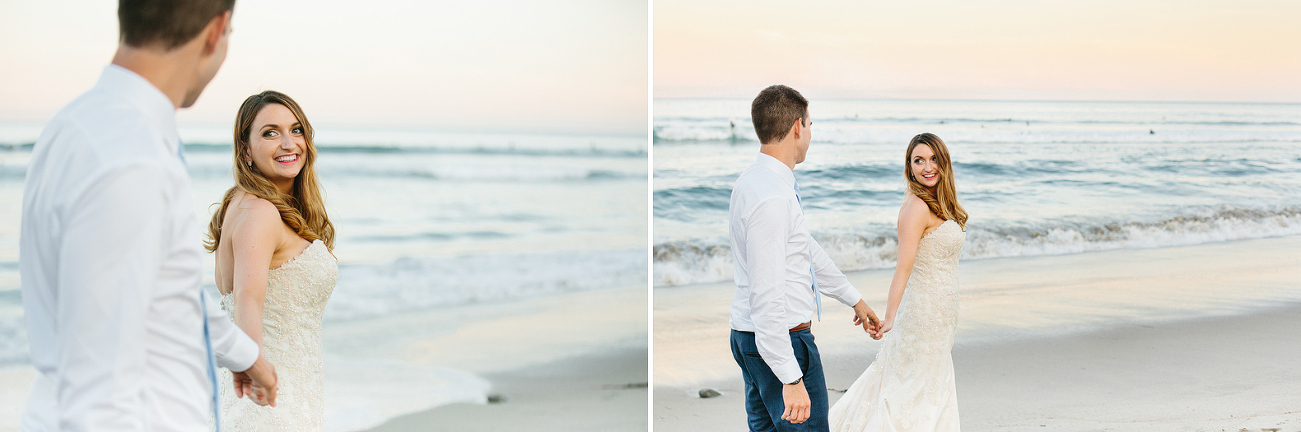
(796, 381)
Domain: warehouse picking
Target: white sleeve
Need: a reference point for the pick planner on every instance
(109, 265)
(767, 231)
(830, 280)
(232, 347)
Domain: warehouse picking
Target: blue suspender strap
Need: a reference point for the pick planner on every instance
(212, 362)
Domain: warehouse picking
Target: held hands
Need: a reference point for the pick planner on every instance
(863, 316)
(887, 324)
(797, 402)
(259, 382)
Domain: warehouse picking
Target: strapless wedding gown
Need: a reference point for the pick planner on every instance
(291, 340)
(910, 386)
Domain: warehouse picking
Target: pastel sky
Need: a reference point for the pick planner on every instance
(1193, 50)
(562, 65)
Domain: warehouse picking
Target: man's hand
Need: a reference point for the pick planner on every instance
(797, 402)
(259, 382)
(864, 316)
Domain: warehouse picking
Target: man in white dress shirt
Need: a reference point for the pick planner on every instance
(776, 288)
(110, 252)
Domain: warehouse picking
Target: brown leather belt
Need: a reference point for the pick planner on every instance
(804, 326)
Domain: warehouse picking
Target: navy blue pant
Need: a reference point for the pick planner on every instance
(763, 391)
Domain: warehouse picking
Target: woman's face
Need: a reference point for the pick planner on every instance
(924, 166)
(277, 145)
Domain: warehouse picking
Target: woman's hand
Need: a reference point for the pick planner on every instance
(886, 325)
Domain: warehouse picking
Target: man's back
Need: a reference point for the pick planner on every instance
(757, 186)
(111, 266)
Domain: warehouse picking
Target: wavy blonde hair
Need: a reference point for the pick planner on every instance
(302, 209)
(943, 199)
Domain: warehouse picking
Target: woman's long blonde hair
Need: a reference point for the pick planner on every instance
(943, 200)
(302, 209)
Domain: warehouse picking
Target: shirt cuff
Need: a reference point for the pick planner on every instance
(850, 297)
(787, 373)
(241, 355)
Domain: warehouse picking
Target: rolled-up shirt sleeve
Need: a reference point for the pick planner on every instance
(233, 348)
(831, 281)
(767, 232)
(108, 270)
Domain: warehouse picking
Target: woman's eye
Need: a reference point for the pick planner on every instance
(298, 131)
(270, 134)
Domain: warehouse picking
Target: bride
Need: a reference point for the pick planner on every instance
(910, 386)
(275, 269)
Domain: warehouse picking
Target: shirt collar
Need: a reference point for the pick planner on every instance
(776, 166)
(138, 91)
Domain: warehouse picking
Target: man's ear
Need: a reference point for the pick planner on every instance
(797, 127)
(213, 32)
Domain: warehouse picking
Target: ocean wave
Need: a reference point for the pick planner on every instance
(998, 133)
(394, 149)
(669, 202)
(414, 283)
(704, 133)
(203, 147)
(416, 171)
(418, 283)
(704, 261)
(434, 236)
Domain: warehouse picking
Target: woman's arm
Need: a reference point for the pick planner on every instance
(914, 217)
(255, 240)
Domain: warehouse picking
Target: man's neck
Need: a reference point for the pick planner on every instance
(782, 151)
(164, 70)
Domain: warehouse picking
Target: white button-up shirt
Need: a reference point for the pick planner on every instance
(111, 268)
(770, 245)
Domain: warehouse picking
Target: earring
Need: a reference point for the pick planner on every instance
(250, 163)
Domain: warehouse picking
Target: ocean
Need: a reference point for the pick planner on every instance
(1037, 178)
(426, 221)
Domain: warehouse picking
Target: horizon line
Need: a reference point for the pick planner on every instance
(1012, 100)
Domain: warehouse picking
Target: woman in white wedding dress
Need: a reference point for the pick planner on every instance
(910, 386)
(275, 269)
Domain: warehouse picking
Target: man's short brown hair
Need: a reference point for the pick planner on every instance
(775, 110)
(166, 23)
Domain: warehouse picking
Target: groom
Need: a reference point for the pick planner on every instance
(779, 271)
(121, 333)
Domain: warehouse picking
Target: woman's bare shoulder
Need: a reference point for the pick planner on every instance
(252, 213)
(913, 207)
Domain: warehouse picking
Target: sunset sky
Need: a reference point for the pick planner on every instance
(1018, 49)
(564, 66)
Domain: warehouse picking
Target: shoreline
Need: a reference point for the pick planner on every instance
(1185, 338)
(436, 359)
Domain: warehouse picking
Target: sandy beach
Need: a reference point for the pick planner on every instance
(547, 360)
(1182, 338)
(605, 392)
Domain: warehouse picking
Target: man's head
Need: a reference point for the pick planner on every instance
(781, 117)
(198, 27)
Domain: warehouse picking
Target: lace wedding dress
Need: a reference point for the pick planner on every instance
(291, 341)
(910, 387)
